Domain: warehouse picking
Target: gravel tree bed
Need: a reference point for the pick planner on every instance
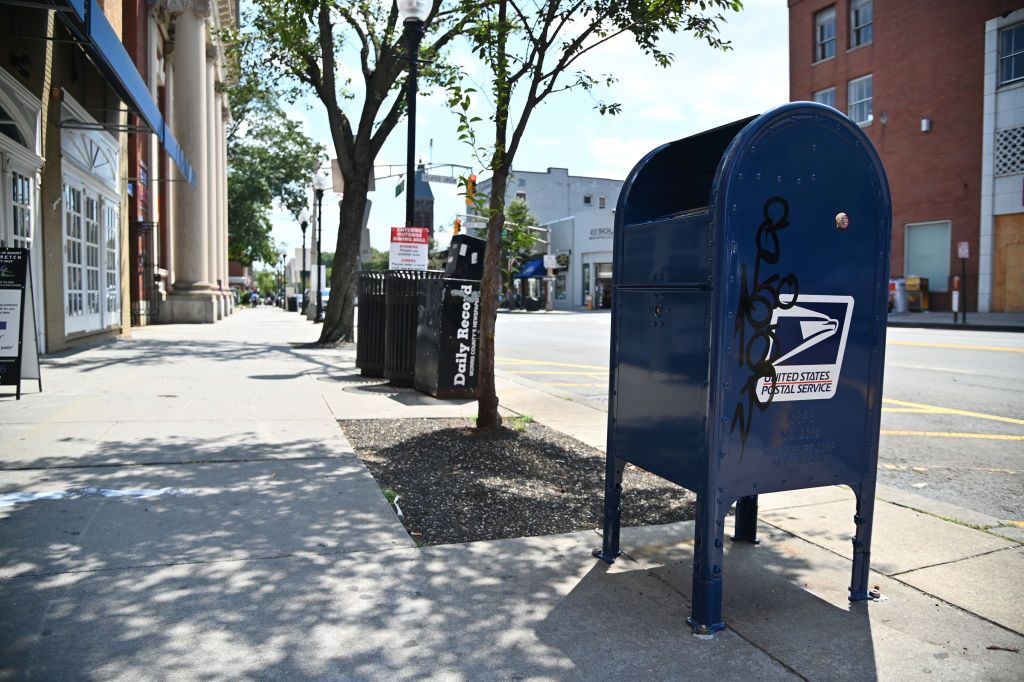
(456, 486)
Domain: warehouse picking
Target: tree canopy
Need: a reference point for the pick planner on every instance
(312, 46)
(532, 49)
(270, 161)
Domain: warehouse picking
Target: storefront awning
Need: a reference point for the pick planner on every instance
(532, 268)
(86, 21)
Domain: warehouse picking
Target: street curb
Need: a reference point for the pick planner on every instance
(945, 511)
(961, 327)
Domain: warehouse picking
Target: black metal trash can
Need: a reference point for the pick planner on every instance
(370, 324)
(401, 303)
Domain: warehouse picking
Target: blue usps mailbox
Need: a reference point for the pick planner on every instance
(748, 326)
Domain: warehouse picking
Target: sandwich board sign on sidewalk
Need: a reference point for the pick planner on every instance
(409, 247)
(19, 351)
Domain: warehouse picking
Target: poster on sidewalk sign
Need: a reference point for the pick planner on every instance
(19, 352)
(409, 247)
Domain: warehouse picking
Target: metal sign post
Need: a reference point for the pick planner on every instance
(963, 252)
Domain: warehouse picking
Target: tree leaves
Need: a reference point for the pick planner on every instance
(270, 160)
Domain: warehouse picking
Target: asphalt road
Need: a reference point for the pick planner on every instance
(953, 411)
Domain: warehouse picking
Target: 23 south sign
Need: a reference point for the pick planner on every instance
(807, 347)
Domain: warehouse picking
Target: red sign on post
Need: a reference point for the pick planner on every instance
(409, 247)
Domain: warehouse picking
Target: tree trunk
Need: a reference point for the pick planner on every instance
(487, 417)
(339, 316)
(487, 397)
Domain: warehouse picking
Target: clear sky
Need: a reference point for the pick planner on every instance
(703, 88)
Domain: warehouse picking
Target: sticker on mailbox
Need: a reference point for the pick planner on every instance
(807, 348)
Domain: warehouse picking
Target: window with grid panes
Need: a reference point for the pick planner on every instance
(825, 34)
(861, 22)
(21, 210)
(1011, 54)
(859, 99)
(826, 97)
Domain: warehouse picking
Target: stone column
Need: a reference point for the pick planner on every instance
(213, 163)
(193, 299)
(225, 116)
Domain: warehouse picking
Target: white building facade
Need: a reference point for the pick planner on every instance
(580, 213)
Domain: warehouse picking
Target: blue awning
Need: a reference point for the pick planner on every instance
(85, 19)
(532, 268)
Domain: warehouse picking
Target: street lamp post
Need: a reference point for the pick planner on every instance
(304, 223)
(319, 186)
(412, 13)
(284, 282)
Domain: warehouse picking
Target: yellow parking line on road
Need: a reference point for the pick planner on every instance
(949, 434)
(572, 385)
(557, 372)
(923, 469)
(908, 410)
(955, 346)
(936, 409)
(547, 363)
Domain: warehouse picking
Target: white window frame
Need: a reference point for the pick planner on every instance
(89, 165)
(520, 196)
(26, 160)
(940, 285)
(820, 96)
(862, 30)
(822, 38)
(1015, 50)
(852, 102)
(602, 201)
(82, 320)
(588, 199)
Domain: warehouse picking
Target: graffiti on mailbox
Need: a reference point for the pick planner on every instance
(762, 295)
(807, 346)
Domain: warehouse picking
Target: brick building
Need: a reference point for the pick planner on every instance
(933, 84)
(113, 162)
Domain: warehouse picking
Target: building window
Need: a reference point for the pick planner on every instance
(825, 34)
(826, 97)
(588, 200)
(21, 211)
(1011, 54)
(927, 253)
(111, 263)
(520, 196)
(859, 99)
(602, 202)
(91, 260)
(861, 22)
(73, 284)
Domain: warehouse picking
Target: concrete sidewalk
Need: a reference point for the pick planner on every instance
(182, 504)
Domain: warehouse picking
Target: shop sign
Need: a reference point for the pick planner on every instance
(17, 313)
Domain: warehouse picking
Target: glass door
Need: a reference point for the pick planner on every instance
(74, 309)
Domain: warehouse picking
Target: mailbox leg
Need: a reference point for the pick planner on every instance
(859, 590)
(706, 617)
(612, 509)
(746, 520)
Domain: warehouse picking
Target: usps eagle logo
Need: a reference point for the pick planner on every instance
(807, 347)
